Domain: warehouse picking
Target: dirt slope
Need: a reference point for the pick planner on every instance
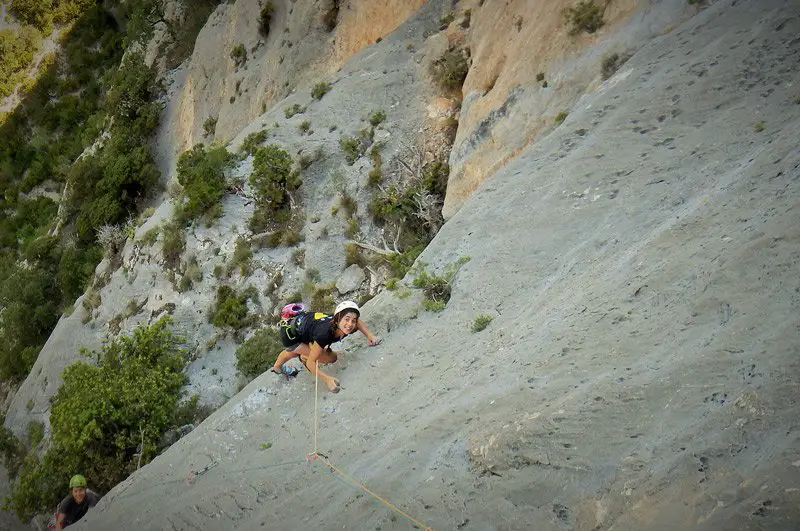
(640, 262)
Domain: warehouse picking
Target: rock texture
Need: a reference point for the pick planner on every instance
(300, 49)
(350, 279)
(639, 261)
(527, 68)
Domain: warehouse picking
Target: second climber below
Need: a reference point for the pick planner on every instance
(309, 336)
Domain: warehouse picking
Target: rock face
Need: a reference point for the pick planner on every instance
(527, 68)
(639, 264)
(307, 42)
(138, 288)
(350, 279)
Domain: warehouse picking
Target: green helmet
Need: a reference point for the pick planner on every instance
(77, 481)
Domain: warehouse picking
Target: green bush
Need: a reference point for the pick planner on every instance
(17, 49)
(351, 230)
(434, 177)
(319, 297)
(173, 244)
(150, 237)
(273, 179)
(106, 186)
(348, 204)
(30, 311)
(135, 385)
(30, 220)
(298, 258)
(320, 89)
(437, 289)
(284, 236)
(481, 322)
(450, 70)
(294, 109)
(239, 55)
(584, 16)
(35, 433)
(242, 257)
(377, 118)
(353, 255)
(44, 14)
(191, 412)
(313, 275)
(210, 126)
(353, 147)
(192, 275)
(91, 300)
(252, 141)
(375, 175)
(305, 127)
(76, 269)
(398, 205)
(394, 204)
(230, 308)
(560, 117)
(142, 15)
(446, 20)
(202, 175)
(265, 18)
(79, 91)
(611, 63)
(262, 220)
(12, 451)
(305, 160)
(291, 237)
(258, 353)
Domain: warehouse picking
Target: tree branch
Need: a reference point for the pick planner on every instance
(384, 252)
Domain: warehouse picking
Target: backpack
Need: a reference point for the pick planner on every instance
(292, 309)
(295, 325)
(291, 317)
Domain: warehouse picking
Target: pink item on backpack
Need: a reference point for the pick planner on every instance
(292, 309)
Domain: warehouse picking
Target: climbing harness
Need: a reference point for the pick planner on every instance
(291, 325)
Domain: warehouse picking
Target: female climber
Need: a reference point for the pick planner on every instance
(309, 336)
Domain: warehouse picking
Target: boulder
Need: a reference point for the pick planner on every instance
(351, 279)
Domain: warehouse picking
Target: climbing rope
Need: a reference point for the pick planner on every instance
(316, 395)
(314, 455)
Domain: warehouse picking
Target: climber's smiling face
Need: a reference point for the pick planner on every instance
(78, 494)
(348, 323)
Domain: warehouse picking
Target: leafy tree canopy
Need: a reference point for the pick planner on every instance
(107, 418)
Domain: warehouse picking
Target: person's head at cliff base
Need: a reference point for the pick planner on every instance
(77, 503)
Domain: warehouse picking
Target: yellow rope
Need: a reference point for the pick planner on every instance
(386, 502)
(315, 454)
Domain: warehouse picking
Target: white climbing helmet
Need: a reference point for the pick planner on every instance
(347, 305)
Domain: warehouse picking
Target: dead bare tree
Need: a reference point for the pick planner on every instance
(404, 179)
(429, 210)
